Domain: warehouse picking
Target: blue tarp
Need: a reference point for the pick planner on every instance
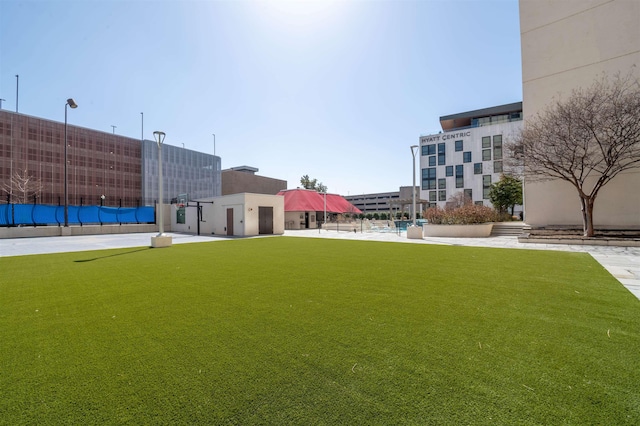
(40, 214)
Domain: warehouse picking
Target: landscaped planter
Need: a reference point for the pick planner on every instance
(476, 230)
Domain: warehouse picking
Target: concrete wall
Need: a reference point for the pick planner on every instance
(568, 44)
(56, 231)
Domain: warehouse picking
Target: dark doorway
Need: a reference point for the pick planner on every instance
(265, 220)
(229, 221)
(306, 220)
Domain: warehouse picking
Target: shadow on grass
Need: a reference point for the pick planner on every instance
(113, 255)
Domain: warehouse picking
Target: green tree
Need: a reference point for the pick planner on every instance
(308, 183)
(506, 193)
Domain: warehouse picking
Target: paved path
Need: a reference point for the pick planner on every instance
(622, 262)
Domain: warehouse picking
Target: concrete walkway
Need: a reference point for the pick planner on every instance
(622, 262)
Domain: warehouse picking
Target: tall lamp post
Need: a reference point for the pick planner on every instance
(414, 231)
(72, 104)
(414, 149)
(214, 143)
(160, 240)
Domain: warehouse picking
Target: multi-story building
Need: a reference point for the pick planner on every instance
(388, 202)
(102, 168)
(187, 174)
(467, 156)
(567, 45)
(244, 179)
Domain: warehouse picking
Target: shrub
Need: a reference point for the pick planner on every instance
(463, 215)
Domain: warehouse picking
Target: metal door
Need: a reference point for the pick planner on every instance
(265, 220)
(230, 221)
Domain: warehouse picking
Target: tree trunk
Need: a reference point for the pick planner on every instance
(589, 232)
(585, 219)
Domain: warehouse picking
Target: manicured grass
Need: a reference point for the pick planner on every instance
(313, 331)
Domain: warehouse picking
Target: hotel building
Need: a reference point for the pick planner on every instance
(467, 156)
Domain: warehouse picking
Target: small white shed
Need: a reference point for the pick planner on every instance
(240, 215)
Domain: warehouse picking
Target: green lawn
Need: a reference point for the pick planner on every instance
(316, 332)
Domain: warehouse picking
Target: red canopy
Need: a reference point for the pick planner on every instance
(300, 200)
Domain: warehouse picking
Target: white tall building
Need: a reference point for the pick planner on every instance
(568, 44)
(467, 156)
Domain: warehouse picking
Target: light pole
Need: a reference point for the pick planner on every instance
(159, 137)
(70, 102)
(114, 129)
(1, 100)
(414, 231)
(160, 240)
(214, 143)
(325, 210)
(414, 149)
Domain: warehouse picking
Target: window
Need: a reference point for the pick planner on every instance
(486, 186)
(468, 193)
(442, 159)
(448, 171)
(459, 176)
(477, 168)
(486, 142)
(442, 195)
(486, 155)
(429, 178)
(497, 147)
(428, 149)
(479, 203)
(433, 196)
(466, 157)
(459, 146)
(497, 167)
(442, 183)
(441, 148)
(432, 161)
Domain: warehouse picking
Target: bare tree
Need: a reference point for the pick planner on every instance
(586, 139)
(458, 200)
(23, 186)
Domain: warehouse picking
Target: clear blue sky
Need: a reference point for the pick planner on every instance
(337, 90)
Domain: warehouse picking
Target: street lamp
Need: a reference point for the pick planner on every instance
(214, 143)
(414, 231)
(414, 150)
(160, 240)
(159, 137)
(72, 104)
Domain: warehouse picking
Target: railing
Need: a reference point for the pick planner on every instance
(474, 125)
(51, 215)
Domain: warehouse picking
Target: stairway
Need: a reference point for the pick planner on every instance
(502, 229)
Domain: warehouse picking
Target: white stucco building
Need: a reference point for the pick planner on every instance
(239, 215)
(467, 156)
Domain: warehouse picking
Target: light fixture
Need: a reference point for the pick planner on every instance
(70, 102)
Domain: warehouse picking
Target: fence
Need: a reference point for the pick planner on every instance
(48, 215)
